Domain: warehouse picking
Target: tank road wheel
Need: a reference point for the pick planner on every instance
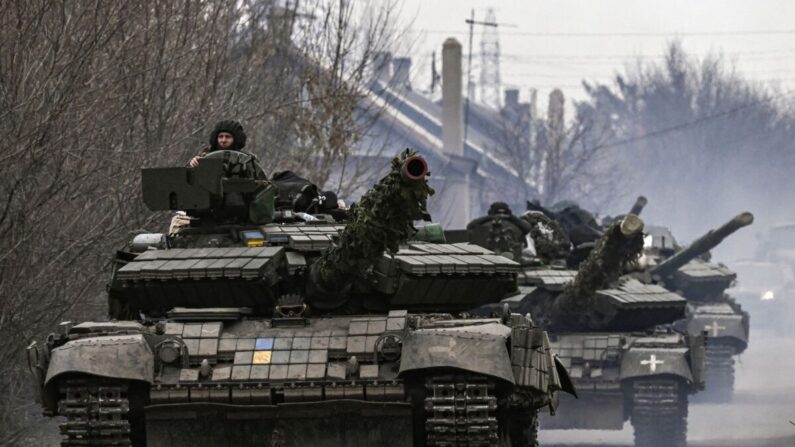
(659, 413)
(96, 411)
(461, 411)
(719, 374)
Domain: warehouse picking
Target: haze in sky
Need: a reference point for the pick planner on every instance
(548, 44)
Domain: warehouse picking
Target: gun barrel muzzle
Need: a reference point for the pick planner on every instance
(744, 219)
(631, 225)
(414, 168)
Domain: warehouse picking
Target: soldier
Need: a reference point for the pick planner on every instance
(500, 231)
(227, 135)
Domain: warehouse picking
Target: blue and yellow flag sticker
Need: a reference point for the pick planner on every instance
(262, 357)
(262, 353)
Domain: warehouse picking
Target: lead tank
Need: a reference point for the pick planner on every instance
(613, 332)
(690, 272)
(249, 325)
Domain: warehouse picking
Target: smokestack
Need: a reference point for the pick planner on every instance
(382, 66)
(556, 110)
(452, 103)
(401, 66)
(454, 196)
(511, 98)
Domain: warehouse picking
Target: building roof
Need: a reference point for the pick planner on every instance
(418, 120)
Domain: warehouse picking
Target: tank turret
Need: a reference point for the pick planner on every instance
(598, 296)
(366, 262)
(577, 305)
(700, 246)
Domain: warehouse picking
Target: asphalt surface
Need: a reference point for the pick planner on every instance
(758, 416)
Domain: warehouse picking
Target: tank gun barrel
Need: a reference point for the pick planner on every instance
(637, 208)
(381, 221)
(701, 245)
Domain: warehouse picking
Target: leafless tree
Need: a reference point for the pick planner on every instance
(555, 158)
(697, 138)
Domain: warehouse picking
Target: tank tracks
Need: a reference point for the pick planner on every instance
(659, 413)
(719, 372)
(96, 413)
(461, 411)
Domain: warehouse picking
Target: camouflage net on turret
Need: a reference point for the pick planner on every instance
(380, 222)
(549, 238)
(605, 264)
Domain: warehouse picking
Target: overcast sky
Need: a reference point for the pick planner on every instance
(559, 42)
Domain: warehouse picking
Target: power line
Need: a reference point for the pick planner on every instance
(772, 51)
(575, 72)
(694, 122)
(629, 33)
(591, 59)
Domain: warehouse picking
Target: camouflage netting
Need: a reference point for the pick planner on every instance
(381, 221)
(549, 238)
(605, 264)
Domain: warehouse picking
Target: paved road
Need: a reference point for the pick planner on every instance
(759, 415)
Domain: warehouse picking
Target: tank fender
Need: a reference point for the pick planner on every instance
(719, 326)
(126, 357)
(646, 362)
(566, 384)
(485, 354)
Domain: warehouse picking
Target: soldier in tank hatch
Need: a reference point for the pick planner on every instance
(294, 192)
(500, 230)
(227, 135)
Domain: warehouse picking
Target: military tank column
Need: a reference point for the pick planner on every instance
(254, 324)
(613, 332)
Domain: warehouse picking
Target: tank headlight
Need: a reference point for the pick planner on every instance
(168, 352)
(768, 295)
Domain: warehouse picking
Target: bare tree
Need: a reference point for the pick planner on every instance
(555, 159)
(697, 138)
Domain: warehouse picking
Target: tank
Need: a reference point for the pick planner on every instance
(614, 333)
(255, 325)
(710, 309)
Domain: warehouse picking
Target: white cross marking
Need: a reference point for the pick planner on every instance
(714, 328)
(652, 362)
